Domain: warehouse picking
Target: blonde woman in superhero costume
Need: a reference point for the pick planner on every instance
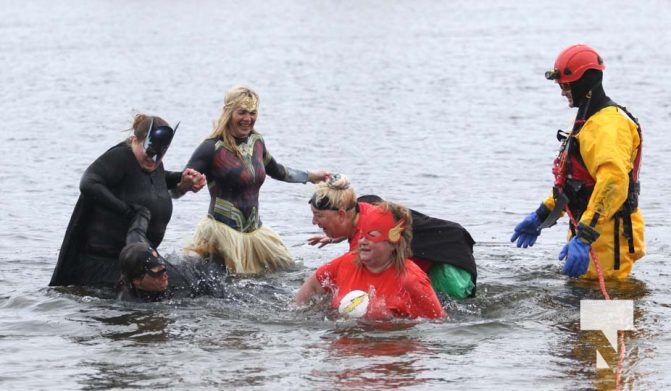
(235, 161)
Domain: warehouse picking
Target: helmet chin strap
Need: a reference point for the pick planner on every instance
(586, 97)
(583, 106)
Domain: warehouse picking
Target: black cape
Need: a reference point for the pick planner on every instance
(438, 240)
(97, 228)
(66, 271)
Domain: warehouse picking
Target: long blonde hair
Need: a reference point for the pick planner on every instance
(221, 130)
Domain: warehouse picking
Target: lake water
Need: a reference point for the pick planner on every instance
(439, 105)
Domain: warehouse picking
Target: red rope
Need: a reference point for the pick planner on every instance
(602, 285)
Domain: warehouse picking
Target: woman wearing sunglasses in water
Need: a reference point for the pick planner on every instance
(144, 274)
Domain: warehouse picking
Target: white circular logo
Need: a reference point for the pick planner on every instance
(354, 304)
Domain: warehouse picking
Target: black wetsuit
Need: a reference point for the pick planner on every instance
(110, 187)
(186, 279)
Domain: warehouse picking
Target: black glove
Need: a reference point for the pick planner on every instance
(137, 231)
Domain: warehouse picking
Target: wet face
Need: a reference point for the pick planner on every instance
(242, 121)
(147, 163)
(156, 280)
(375, 256)
(334, 223)
(566, 92)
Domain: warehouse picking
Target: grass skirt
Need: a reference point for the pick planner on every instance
(256, 252)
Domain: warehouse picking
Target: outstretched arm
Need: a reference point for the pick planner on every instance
(323, 240)
(311, 287)
(194, 176)
(137, 232)
(292, 175)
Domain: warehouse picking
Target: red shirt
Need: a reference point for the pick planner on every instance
(408, 295)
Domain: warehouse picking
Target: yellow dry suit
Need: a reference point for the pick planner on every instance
(602, 188)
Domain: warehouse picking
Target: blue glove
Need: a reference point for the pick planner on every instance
(527, 231)
(576, 253)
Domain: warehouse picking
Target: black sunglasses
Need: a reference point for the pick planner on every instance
(156, 274)
(322, 203)
(153, 261)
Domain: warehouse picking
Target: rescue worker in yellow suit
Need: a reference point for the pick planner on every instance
(596, 176)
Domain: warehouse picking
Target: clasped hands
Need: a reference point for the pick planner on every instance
(192, 180)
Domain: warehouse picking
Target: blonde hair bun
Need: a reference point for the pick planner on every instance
(338, 182)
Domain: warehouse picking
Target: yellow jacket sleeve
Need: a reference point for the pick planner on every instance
(549, 202)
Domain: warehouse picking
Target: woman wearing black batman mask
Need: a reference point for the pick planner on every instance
(126, 180)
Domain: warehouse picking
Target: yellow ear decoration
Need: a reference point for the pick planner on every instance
(395, 233)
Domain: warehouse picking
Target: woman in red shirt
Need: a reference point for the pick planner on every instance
(396, 286)
(442, 249)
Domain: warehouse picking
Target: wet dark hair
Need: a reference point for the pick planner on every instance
(136, 258)
(370, 198)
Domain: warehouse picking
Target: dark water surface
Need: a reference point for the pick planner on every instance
(439, 105)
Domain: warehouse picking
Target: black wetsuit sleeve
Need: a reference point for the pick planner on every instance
(275, 170)
(172, 178)
(201, 159)
(104, 174)
(137, 232)
(282, 173)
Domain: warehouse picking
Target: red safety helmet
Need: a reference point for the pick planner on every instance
(573, 61)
